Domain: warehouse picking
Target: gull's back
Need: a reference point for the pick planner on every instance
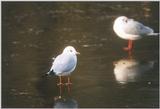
(135, 28)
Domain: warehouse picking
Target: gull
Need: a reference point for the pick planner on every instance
(64, 64)
(130, 30)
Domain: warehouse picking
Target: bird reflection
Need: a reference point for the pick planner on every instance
(130, 70)
(65, 103)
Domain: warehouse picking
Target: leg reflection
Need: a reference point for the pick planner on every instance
(129, 54)
(69, 83)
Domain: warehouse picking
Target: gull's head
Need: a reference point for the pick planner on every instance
(70, 50)
(121, 19)
(118, 25)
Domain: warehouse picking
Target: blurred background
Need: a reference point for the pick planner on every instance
(34, 32)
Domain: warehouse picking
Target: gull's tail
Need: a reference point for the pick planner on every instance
(154, 34)
(50, 73)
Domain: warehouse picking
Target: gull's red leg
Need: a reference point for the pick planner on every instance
(60, 84)
(68, 81)
(60, 81)
(130, 46)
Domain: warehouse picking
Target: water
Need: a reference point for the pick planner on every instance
(33, 33)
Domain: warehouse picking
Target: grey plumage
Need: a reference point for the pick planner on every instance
(64, 63)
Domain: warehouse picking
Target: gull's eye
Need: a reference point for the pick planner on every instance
(70, 50)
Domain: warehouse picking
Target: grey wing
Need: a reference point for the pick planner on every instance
(63, 63)
(136, 28)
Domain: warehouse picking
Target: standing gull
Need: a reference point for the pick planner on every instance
(64, 64)
(130, 30)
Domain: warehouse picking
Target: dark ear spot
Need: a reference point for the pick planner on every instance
(125, 20)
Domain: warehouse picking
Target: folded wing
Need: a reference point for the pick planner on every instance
(136, 28)
(64, 63)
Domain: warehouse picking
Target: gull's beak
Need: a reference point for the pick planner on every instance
(78, 53)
